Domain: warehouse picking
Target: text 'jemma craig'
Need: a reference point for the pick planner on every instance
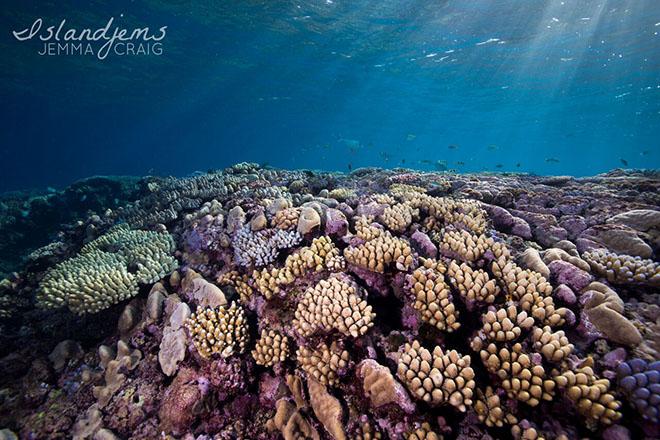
(58, 40)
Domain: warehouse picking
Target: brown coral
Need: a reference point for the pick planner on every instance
(291, 423)
(380, 250)
(437, 377)
(380, 386)
(555, 347)
(272, 347)
(115, 366)
(323, 363)
(506, 324)
(239, 282)
(286, 219)
(489, 409)
(333, 304)
(623, 269)
(474, 285)
(221, 330)
(433, 299)
(327, 408)
(521, 378)
(398, 217)
(591, 394)
(424, 432)
(604, 309)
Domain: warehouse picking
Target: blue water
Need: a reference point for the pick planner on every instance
(548, 87)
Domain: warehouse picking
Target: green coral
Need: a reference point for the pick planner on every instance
(108, 270)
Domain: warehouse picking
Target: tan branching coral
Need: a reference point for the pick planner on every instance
(272, 347)
(333, 304)
(321, 255)
(464, 245)
(604, 308)
(424, 432)
(623, 269)
(591, 395)
(521, 378)
(293, 424)
(367, 432)
(437, 377)
(531, 290)
(286, 219)
(555, 347)
(327, 409)
(433, 299)
(380, 250)
(323, 363)
(474, 285)
(239, 282)
(398, 217)
(341, 194)
(489, 409)
(107, 270)
(115, 365)
(506, 324)
(223, 330)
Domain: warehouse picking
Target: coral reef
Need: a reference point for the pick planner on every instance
(255, 303)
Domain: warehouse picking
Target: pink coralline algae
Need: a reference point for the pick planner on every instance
(380, 304)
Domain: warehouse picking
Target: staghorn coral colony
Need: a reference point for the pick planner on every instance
(255, 303)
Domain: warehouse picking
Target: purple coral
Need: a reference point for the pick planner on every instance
(640, 382)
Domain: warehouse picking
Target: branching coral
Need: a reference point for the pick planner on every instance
(286, 219)
(333, 304)
(623, 269)
(475, 286)
(522, 378)
(591, 395)
(262, 247)
(107, 270)
(323, 363)
(437, 377)
(489, 409)
(463, 245)
(380, 250)
(222, 330)
(640, 382)
(424, 432)
(398, 217)
(321, 255)
(555, 347)
(272, 347)
(531, 290)
(239, 282)
(433, 299)
(504, 325)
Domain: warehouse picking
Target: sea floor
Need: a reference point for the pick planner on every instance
(259, 303)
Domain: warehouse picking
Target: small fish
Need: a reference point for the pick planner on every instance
(350, 167)
(452, 147)
(644, 153)
(411, 137)
(518, 165)
(403, 161)
(499, 165)
(460, 163)
(552, 160)
(492, 147)
(441, 165)
(426, 161)
(624, 162)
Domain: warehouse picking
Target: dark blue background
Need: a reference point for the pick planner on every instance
(325, 84)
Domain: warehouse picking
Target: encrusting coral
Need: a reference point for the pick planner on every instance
(604, 309)
(223, 330)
